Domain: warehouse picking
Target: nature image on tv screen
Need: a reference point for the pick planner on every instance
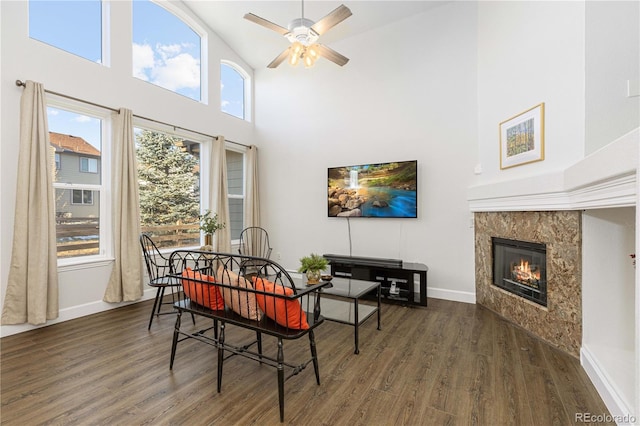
(374, 190)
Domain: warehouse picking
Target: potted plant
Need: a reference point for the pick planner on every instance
(209, 225)
(313, 265)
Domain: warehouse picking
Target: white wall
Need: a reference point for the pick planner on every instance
(531, 52)
(609, 310)
(81, 290)
(612, 58)
(411, 94)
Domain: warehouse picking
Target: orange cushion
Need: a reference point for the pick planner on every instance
(242, 303)
(200, 293)
(287, 313)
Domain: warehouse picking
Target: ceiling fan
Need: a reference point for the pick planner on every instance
(303, 34)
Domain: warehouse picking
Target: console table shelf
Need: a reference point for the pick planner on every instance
(395, 276)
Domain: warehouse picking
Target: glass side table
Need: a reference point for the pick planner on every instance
(341, 302)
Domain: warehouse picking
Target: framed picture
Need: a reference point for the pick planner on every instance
(522, 138)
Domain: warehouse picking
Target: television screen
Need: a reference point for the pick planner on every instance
(374, 190)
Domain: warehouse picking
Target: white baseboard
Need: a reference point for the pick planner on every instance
(607, 390)
(453, 295)
(73, 313)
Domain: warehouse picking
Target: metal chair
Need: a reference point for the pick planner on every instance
(159, 268)
(254, 241)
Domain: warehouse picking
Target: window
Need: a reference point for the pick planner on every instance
(166, 51)
(73, 26)
(233, 90)
(76, 138)
(169, 185)
(235, 183)
(82, 196)
(88, 165)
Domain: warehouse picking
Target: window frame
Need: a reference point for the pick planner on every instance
(205, 146)
(105, 252)
(89, 162)
(82, 193)
(247, 107)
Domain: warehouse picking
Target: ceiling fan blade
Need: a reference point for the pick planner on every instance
(332, 55)
(281, 57)
(267, 24)
(338, 15)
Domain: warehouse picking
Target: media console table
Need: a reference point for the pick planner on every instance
(395, 276)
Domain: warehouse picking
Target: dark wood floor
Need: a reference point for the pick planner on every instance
(448, 364)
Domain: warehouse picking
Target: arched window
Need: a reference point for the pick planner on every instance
(166, 50)
(234, 90)
(73, 26)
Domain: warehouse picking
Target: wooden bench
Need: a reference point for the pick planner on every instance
(249, 292)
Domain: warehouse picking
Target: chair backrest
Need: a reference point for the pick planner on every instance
(157, 265)
(254, 241)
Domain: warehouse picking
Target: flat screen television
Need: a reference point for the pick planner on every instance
(374, 190)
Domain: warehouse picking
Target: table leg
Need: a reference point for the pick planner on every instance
(379, 291)
(356, 323)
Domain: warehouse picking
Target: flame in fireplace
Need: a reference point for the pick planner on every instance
(525, 274)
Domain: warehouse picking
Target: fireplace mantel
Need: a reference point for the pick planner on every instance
(604, 179)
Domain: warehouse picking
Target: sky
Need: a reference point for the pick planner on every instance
(165, 52)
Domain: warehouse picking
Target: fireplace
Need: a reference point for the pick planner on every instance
(520, 267)
(560, 321)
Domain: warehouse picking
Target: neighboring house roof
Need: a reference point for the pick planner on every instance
(69, 143)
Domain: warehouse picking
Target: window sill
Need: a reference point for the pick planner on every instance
(76, 264)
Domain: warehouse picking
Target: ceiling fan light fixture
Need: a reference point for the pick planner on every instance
(293, 59)
(308, 60)
(296, 48)
(295, 53)
(312, 51)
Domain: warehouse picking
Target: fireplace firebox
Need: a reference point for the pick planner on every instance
(520, 267)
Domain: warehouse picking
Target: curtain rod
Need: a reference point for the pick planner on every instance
(21, 83)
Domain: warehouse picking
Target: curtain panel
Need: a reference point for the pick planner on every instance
(252, 200)
(219, 194)
(125, 282)
(32, 287)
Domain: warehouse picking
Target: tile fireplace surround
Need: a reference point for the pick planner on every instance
(560, 323)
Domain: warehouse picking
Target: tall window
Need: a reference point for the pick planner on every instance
(166, 51)
(235, 182)
(73, 26)
(169, 183)
(233, 90)
(76, 148)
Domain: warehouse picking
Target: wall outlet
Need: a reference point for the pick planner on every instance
(278, 256)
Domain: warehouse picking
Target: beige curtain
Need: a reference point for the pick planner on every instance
(252, 199)
(125, 283)
(218, 194)
(32, 288)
